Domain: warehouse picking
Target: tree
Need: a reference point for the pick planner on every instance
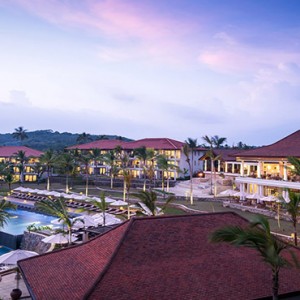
(39, 170)
(95, 156)
(4, 214)
(102, 205)
(141, 154)
(7, 173)
(127, 174)
(85, 161)
(109, 159)
(214, 141)
(188, 150)
(20, 134)
(296, 163)
(294, 211)
(59, 209)
(149, 199)
(21, 159)
(84, 138)
(48, 159)
(256, 236)
(124, 161)
(66, 165)
(164, 164)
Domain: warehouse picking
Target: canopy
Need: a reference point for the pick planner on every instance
(58, 239)
(84, 221)
(227, 193)
(13, 257)
(119, 203)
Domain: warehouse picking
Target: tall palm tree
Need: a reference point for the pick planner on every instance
(150, 165)
(150, 200)
(39, 170)
(49, 159)
(124, 162)
(7, 173)
(95, 156)
(128, 176)
(84, 159)
(4, 214)
(109, 159)
(218, 141)
(102, 205)
(141, 154)
(294, 211)
(21, 159)
(165, 165)
(188, 150)
(84, 138)
(67, 165)
(20, 134)
(257, 236)
(59, 209)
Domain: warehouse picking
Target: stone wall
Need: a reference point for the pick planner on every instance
(32, 241)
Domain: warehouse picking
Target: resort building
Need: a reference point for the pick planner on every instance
(264, 170)
(172, 149)
(168, 257)
(11, 154)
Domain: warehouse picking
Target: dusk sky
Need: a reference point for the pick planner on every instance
(152, 68)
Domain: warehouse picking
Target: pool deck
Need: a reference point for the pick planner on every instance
(8, 283)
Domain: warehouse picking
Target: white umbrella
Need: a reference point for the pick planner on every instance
(119, 203)
(58, 239)
(80, 197)
(240, 194)
(57, 222)
(269, 198)
(13, 257)
(253, 196)
(53, 193)
(109, 219)
(84, 221)
(42, 192)
(227, 193)
(70, 196)
(107, 199)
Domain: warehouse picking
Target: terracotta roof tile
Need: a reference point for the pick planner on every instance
(8, 151)
(288, 146)
(157, 258)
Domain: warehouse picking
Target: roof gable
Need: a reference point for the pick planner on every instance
(288, 146)
(158, 257)
(8, 151)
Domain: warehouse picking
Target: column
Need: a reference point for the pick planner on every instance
(219, 166)
(205, 165)
(259, 169)
(242, 168)
(226, 167)
(285, 177)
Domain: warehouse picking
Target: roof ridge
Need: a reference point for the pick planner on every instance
(110, 261)
(171, 142)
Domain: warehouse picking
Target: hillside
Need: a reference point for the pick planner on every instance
(48, 139)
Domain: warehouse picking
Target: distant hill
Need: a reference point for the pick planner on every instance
(49, 139)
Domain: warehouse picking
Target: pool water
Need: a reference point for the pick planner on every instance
(21, 219)
(4, 250)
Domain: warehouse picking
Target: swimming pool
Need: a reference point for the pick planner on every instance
(21, 219)
(4, 250)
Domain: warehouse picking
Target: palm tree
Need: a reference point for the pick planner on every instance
(296, 163)
(48, 159)
(20, 134)
(102, 205)
(257, 236)
(218, 141)
(67, 165)
(85, 161)
(149, 167)
(124, 161)
(59, 209)
(150, 199)
(142, 155)
(84, 138)
(164, 164)
(127, 174)
(21, 158)
(109, 159)
(188, 150)
(294, 211)
(7, 173)
(39, 170)
(4, 214)
(214, 141)
(95, 156)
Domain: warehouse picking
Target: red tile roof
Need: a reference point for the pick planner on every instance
(8, 151)
(288, 146)
(156, 258)
(100, 144)
(155, 143)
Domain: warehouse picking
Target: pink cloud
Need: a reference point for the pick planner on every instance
(156, 34)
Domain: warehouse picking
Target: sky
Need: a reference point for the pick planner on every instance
(152, 68)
